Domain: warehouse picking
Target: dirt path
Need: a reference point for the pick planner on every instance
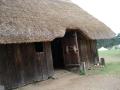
(69, 81)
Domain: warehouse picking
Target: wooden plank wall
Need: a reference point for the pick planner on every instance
(48, 56)
(87, 49)
(11, 69)
(83, 44)
(94, 51)
(20, 64)
(89, 52)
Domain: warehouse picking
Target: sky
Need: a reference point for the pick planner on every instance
(107, 11)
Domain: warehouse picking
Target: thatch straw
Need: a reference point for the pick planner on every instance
(44, 20)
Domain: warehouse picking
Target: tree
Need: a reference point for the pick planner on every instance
(109, 42)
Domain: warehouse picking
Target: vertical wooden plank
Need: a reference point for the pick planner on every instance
(28, 60)
(38, 66)
(44, 64)
(3, 68)
(76, 40)
(12, 73)
(11, 77)
(84, 49)
(94, 50)
(18, 65)
(48, 56)
(89, 52)
(86, 52)
(9, 69)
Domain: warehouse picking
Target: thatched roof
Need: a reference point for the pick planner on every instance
(44, 20)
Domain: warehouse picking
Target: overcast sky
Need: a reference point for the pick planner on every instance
(107, 11)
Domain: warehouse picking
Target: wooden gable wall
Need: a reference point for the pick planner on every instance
(78, 48)
(20, 64)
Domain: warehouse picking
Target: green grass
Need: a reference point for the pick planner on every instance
(112, 58)
(114, 53)
(110, 55)
(112, 68)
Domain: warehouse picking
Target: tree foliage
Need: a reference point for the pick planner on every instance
(109, 42)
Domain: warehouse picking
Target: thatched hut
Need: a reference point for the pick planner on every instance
(36, 35)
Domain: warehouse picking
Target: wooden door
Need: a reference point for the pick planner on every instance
(70, 50)
(43, 62)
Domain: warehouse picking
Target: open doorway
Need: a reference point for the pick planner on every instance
(57, 54)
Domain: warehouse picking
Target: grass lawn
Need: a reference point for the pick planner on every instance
(110, 55)
(112, 68)
(112, 59)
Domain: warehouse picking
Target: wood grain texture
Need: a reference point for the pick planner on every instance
(20, 64)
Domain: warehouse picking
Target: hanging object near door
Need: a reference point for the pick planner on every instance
(72, 48)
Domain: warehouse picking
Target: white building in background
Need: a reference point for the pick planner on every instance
(102, 49)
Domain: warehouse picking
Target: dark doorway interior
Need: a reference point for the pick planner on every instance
(57, 54)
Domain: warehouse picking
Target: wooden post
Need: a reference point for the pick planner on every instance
(97, 61)
(82, 68)
(102, 61)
